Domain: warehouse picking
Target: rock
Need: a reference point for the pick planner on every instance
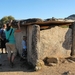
(68, 73)
(39, 65)
(71, 61)
(51, 64)
(51, 61)
(37, 68)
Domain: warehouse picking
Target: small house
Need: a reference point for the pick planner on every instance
(48, 38)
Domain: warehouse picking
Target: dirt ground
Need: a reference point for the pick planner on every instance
(21, 68)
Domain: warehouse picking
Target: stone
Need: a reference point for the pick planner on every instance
(51, 61)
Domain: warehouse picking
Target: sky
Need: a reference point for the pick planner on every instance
(44, 9)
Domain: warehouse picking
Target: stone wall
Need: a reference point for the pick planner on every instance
(29, 43)
(33, 43)
(55, 42)
(19, 37)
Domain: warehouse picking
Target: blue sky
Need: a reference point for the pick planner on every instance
(24, 9)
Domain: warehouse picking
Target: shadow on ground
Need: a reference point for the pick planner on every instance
(19, 65)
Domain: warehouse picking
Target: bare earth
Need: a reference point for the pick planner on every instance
(21, 68)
